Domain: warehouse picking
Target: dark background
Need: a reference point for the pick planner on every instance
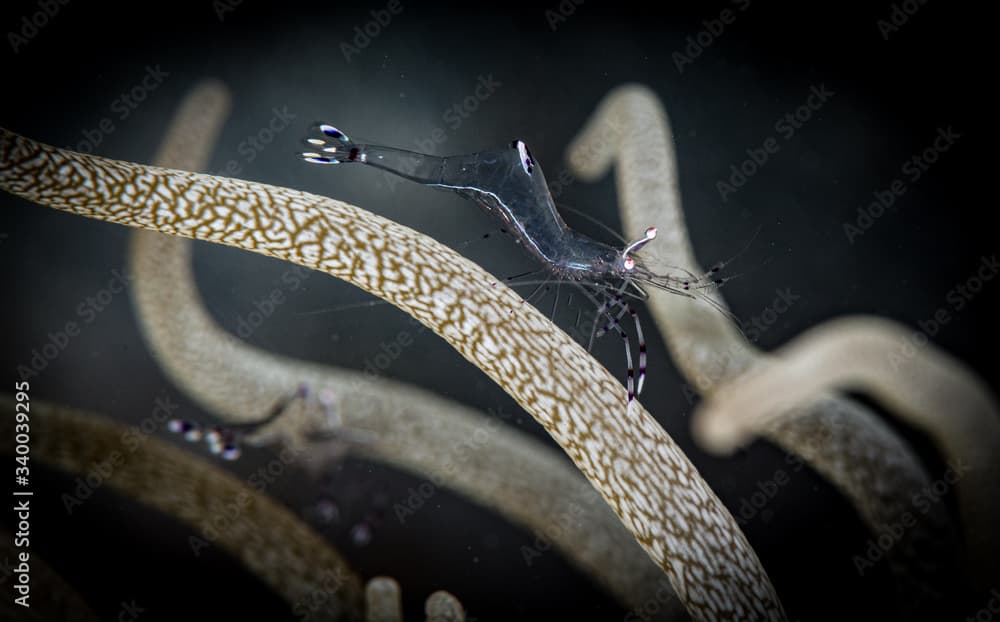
(891, 97)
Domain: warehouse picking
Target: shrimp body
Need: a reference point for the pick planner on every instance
(509, 184)
(506, 182)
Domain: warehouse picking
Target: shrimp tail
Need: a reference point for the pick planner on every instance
(328, 145)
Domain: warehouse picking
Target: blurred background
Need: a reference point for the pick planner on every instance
(460, 78)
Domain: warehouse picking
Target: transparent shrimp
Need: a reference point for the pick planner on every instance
(509, 184)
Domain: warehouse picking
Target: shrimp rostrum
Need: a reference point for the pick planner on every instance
(508, 183)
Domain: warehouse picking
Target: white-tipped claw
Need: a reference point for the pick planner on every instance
(316, 158)
(333, 132)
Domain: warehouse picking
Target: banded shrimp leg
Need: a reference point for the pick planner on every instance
(615, 300)
(604, 308)
(612, 299)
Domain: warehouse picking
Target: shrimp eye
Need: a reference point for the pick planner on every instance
(629, 264)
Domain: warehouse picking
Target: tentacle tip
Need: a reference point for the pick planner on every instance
(715, 434)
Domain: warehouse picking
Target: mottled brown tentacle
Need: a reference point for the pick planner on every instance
(480, 457)
(627, 456)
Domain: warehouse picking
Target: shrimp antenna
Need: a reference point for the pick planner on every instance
(588, 217)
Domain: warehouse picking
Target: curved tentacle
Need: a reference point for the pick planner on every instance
(840, 439)
(524, 480)
(267, 538)
(382, 600)
(628, 457)
(875, 356)
(480, 457)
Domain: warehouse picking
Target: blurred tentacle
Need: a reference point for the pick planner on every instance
(382, 600)
(444, 607)
(266, 538)
(926, 387)
(843, 441)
